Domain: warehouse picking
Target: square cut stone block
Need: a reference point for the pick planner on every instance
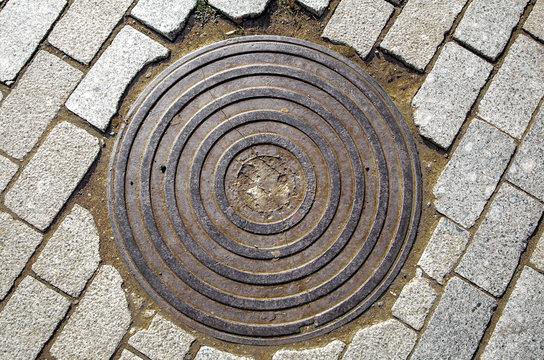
(165, 16)
(535, 22)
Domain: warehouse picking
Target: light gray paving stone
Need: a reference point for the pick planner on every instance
(527, 170)
(414, 302)
(23, 25)
(519, 333)
(538, 255)
(208, 353)
(29, 319)
(85, 26)
(442, 103)
(331, 351)
(162, 340)
(317, 7)
(516, 89)
(97, 97)
(165, 16)
(17, 244)
(240, 9)
(34, 102)
(127, 355)
(387, 340)
(444, 249)
(457, 324)
(419, 30)
(7, 171)
(487, 26)
(472, 174)
(358, 23)
(71, 256)
(493, 255)
(535, 22)
(99, 322)
(52, 174)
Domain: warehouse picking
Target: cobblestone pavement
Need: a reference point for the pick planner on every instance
(474, 283)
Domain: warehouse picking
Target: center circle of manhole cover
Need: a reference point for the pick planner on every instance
(266, 190)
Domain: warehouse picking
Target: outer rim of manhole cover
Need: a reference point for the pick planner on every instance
(233, 108)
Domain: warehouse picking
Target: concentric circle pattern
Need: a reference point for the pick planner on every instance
(266, 190)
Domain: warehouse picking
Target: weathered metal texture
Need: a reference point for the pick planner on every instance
(266, 190)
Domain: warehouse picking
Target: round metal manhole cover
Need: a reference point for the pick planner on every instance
(266, 190)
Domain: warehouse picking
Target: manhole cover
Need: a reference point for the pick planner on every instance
(266, 190)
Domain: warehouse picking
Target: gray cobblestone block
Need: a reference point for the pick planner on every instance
(457, 325)
(52, 174)
(535, 22)
(493, 255)
(99, 322)
(419, 30)
(538, 255)
(162, 340)
(519, 333)
(331, 351)
(414, 302)
(7, 171)
(516, 89)
(208, 353)
(127, 355)
(97, 96)
(71, 256)
(358, 23)
(388, 340)
(240, 9)
(17, 244)
(85, 26)
(442, 103)
(444, 249)
(317, 7)
(487, 25)
(29, 319)
(34, 102)
(23, 25)
(165, 16)
(472, 174)
(527, 170)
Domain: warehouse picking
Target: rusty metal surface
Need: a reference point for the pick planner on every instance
(266, 190)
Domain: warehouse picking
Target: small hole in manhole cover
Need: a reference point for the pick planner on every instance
(276, 190)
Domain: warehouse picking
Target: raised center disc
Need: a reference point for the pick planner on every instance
(266, 190)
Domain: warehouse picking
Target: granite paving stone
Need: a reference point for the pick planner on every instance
(97, 96)
(127, 355)
(237, 10)
(317, 7)
(445, 247)
(487, 25)
(458, 323)
(414, 302)
(535, 22)
(516, 89)
(331, 351)
(208, 353)
(52, 174)
(387, 340)
(472, 174)
(81, 32)
(29, 319)
(99, 322)
(527, 170)
(34, 102)
(23, 25)
(519, 333)
(162, 340)
(538, 254)
(17, 244)
(493, 255)
(419, 30)
(358, 23)
(442, 103)
(71, 256)
(7, 171)
(165, 16)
